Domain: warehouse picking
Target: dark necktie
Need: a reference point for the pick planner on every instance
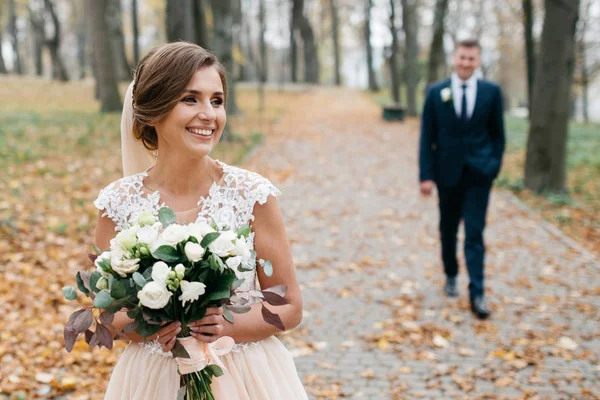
(463, 107)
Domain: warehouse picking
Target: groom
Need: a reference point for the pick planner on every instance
(461, 147)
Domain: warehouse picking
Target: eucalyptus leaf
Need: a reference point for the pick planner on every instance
(139, 279)
(237, 283)
(227, 315)
(69, 292)
(118, 290)
(181, 393)
(93, 280)
(80, 284)
(166, 216)
(102, 299)
(209, 238)
(214, 370)
(244, 231)
(268, 268)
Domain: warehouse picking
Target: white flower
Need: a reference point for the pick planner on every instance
(191, 291)
(446, 94)
(146, 218)
(127, 238)
(148, 234)
(179, 268)
(160, 272)
(102, 283)
(102, 257)
(154, 295)
(199, 230)
(194, 251)
(234, 262)
(175, 234)
(224, 245)
(121, 264)
(242, 249)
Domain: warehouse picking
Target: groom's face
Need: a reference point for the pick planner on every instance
(466, 61)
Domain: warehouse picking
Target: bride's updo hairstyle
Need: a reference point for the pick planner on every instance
(160, 79)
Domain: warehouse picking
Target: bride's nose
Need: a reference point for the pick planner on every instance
(207, 113)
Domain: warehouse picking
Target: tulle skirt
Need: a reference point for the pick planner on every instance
(259, 371)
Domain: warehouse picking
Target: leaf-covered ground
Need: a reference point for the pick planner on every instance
(376, 324)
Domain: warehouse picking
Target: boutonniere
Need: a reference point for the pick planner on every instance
(446, 94)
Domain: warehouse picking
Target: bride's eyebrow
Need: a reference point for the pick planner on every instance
(197, 92)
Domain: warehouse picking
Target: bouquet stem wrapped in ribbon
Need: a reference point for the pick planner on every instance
(159, 272)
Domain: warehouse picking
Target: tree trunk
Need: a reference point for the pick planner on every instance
(410, 25)
(114, 21)
(311, 54)
(36, 23)
(82, 39)
(335, 32)
(293, 43)
(53, 44)
(394, 55)
(436, 66)
(180, 20)
(545, 166)
(102, 54)
(201, 31)
(373, 86)
(14, 38)
(529, 49)
(582, 58)
(3, 69)
(135, 32)
(222, 46)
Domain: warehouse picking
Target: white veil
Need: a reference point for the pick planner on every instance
(136, 158)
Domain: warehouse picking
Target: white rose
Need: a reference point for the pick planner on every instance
(234, 262)
(127, 238)
(146, 218)
(154, 295)
(121, 264)
(224, 245)
(191, 291)
(102, 257)
(147, 235)
(242, 249)
(160, 272)
(175, 234)
(194, 251)
(199, 230)
(446, 94)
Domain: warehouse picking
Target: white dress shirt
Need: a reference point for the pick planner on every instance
(457, 93)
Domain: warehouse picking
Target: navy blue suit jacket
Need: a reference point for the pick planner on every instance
(447, 145)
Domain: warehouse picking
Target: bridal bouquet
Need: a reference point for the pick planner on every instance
(158, 272)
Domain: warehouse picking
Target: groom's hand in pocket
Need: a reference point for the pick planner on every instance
(427, 188)
(167, 335)
(209, 328)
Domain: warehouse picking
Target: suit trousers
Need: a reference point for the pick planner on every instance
(468, 201)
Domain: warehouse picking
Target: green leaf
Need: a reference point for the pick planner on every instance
(139, 279)
(237, 283)
(268, 268)
(166, 253)
(80, 283)
(219, 294)
(209, 238)
(179, 351)
(97, 250)
(244, 231)
(93, 280)
(227, 315)
(118, 290)
(182, 392)
(166, 216)
(102, 299)
(214, 370)
(69, 293)
(145, 329)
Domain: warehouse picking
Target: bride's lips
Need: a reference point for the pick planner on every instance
(201, 132)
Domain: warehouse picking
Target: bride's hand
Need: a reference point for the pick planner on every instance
(209, 328)
(167, 335)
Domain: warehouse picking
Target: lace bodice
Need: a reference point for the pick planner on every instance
(230, 202)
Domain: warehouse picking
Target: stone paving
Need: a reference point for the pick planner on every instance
(376, 324)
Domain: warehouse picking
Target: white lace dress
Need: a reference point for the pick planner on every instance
(263, 370)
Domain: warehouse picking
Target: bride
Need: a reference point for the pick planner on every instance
(176, 108)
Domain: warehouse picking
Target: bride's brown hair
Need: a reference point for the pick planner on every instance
(160, 79)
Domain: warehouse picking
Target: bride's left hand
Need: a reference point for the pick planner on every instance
(210, 328)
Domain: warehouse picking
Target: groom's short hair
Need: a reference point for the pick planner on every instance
(469, 43)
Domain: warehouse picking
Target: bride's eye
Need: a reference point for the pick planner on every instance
(217, 102)
(189, 99)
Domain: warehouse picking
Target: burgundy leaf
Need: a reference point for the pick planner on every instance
(279, 289)
(106, 318)
(70, 338)
(74, 316)
(94, 340)
(92, 257)
(131, 327)
(150, 319)
(274, 299)
(88, 336)
(179, 351)
(83, 321)
(104, 336)
(272, 319)
(85, 278)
